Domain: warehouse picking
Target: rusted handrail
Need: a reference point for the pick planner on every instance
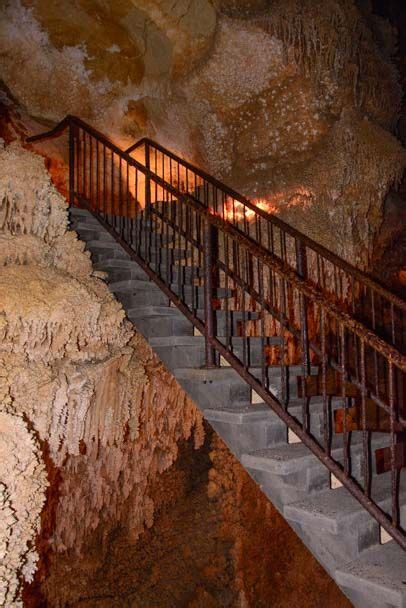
(324, 335)
(363, 295)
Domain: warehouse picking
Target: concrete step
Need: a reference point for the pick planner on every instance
(95, 234)
(154, 321)
(219, 385)
(189, 351)
(172, 254)
(377, 579)
(246, 425)
(296, 472)
(336, 527)
(204, 383)
(160, 321)
(102, 253)
(140, 293)
(121, 270)
(85, 217)
(79, 212)
(188, 294)
(117, 264)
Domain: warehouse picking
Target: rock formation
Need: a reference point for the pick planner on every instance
(290, 101)
(76, 384)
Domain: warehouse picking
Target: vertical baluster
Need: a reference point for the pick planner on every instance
(147, 210)
(167, 244)
(229, 329)
(341, 333)
(301, 268)
(365, 434)
(91, 172)
(77, 161)
(84, 166)
(126, 217)
(260, 271)
(394, 470)
(113, 210)
(282, 321)
(120, 197)
(104, 181)
(71, 165)
(179, 230)
(392, 318)
(326, 402)
(97, 177)
(208, 292)
(137, 215)
(194, 279)
(158, 207)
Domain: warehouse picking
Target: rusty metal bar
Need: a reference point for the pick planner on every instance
(208, 246)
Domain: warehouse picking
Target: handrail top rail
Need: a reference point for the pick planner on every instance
(332, 257)
(368, 336)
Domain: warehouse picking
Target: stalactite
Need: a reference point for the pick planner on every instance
(74, 375)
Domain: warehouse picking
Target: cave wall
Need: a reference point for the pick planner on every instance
(290, 101)
(79, 389)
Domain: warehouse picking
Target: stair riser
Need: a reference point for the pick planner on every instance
(186, 273)
(144, 297)
(333, 550)
(223, 394)
(242, 437)
(157, 327)
(108, 254)
(96, 246)
(194, 356)
(136, 274)
(372, 598)
(310, 479)
(86, 235)
(164, 326)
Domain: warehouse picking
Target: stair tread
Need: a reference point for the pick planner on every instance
(382, 569)
(241, 413)
(116, 264)
(194, 340)
(288, 458)
(154, 311)
(136, 284)
(333, 509)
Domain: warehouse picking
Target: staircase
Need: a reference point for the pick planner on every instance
(294, 357)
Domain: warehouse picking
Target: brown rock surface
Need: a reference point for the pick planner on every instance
(276, 98)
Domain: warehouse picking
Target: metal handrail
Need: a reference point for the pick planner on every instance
(326, 253)
(101, 177)
(323, 251)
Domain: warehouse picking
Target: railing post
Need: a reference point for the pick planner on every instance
(147, 181)
(71, 164)
(301, 268)
(209, 244)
